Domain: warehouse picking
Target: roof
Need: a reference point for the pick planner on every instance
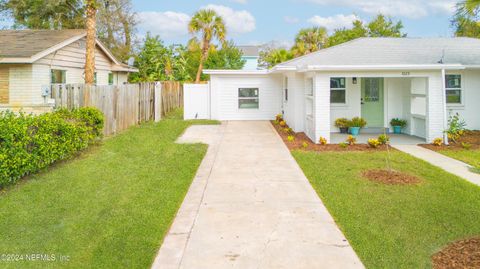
(393, 52)
(27, 46)
(250, 50)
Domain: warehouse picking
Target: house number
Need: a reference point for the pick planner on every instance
(405, 73)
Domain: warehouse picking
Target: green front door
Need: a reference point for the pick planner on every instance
(372, 101)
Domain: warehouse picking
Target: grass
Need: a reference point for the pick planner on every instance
(393, 226)
(108, 208)
(469, 156)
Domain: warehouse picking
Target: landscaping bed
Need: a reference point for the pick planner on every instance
(394, 225)
(302, 142)
(108, 208)
(460, 254)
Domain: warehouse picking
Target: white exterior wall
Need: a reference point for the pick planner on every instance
(224, 96)
(352, 108)
(196, 101)
(294, 107)
(469, 110)
(321, 104)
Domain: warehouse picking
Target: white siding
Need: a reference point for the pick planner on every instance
(294, 108)
(196, 100)
(352, 108)
(225, 97)
(321, 105)
(435, 108)
(470, 109)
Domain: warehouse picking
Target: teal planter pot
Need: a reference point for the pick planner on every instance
(355, 130)
(397, 129)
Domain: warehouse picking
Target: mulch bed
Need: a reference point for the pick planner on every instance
(300, 138)
(460, 254)
(390, 177)
(470, 137)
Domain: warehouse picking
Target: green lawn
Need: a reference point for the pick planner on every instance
(471, 156)
(108, 208)
(393, 226)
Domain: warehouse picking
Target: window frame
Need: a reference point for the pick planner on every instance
(344, 89)
(460, 89)
(249, 98)
(63, 73)
(112, 77)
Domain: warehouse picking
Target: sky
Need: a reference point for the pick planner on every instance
(255, 22)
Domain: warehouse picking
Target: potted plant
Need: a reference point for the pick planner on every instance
(356, 124)
(398, 125)
(342, 124)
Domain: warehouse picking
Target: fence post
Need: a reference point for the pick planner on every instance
(158, 101)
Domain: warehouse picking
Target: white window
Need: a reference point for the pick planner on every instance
(58, 76)
(337, 91)
(454, 89)
(248, 98)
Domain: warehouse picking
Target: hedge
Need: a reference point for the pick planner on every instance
(29, 142)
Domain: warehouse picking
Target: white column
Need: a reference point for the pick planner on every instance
(322, 106)
(435, 107)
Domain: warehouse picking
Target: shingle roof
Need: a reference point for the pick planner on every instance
(249, 50)
(395, 51)
(27, 43)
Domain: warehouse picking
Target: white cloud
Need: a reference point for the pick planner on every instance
(243, 2)
(291, 20)
(167, 24)
(334, 22)
(236, 21)
(407, 8)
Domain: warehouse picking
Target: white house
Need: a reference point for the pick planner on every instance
(422, 80)
(32, 60)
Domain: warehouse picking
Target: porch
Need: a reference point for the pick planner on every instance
(395, 139)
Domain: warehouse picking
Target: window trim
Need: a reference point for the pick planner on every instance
(338, 89)
(461, 89)
(248, 98)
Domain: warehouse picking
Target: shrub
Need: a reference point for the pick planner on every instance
(283, 123)
(373, 143)
(323, 141)
(343, 145)
(398, 122)
(341, 123)
(357, 122)
(351, 140)
(305, 145)
(288, 130)
(291, 138)
(29, 143)
(466, 145)
(456, 127)
(383, 139)
(279, 117)
(437, 142)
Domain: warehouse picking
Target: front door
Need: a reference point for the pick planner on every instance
(372, 101)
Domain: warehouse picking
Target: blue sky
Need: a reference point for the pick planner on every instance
(261, 21)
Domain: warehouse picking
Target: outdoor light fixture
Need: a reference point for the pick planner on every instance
(354, 80)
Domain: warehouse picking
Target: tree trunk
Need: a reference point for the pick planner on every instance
(91, 36)
(203, 58)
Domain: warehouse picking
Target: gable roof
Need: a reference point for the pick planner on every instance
(252, 51)
(27, 46)
(392, 52)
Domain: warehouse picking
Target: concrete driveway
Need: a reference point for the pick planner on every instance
(251, 206)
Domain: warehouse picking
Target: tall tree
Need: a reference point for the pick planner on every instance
(309, 40)
(381, 26)
(471, 6)
(466, 19)
(210, 26)
(270, 56)
(91, 18)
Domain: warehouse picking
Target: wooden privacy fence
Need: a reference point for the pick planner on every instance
(124, 105)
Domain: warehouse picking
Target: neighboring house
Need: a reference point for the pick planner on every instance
(422, 80)
(251, 55)
(32, 60)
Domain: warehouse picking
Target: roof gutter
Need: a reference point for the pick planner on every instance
(380, 67)
(236, 72)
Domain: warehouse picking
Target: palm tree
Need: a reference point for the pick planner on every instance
(309, 40)
(91, 10)
(471, 6)
(210, 25)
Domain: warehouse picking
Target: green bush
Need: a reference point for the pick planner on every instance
(29, 142)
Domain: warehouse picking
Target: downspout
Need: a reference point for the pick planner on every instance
(444, 101)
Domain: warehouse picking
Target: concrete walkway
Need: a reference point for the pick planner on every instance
(250, 206)
(448, 164)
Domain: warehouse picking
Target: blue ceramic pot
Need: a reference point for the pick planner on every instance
(397, 129)
(354, 130)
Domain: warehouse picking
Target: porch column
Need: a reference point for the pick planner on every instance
(435, 107)
(322, 106)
